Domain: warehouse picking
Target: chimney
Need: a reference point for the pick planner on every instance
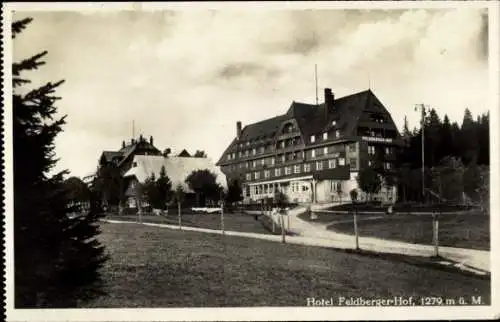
(151, 140)
(133, 141)
(238, 130)
(329, 98)
(123, 144)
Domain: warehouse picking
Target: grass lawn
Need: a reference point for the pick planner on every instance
(461, 230)
(232, 221)
(158, 267)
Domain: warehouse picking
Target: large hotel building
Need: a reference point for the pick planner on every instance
(313, 152)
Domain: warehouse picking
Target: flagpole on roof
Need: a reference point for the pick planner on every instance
(316, 80)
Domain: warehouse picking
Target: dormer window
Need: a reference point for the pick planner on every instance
(254, 151)
(134, 164)
(313, 138)
(337, 133)
(325, 136)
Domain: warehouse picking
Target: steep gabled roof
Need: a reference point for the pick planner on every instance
(177, 169)
(109, 155)
(312, 119)
(265, 128)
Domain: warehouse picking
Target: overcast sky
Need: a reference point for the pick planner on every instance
(187, 77)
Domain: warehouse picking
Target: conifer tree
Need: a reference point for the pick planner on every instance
(57, 258)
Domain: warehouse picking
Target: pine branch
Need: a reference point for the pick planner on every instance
(16, 81)
(28, 64)
(20, 25)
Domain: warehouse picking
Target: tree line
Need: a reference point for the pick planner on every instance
(456, 162)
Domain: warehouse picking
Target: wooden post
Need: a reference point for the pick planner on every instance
(356, 233)
(435, 235)
(288, 222)
(282, 221)
(271, 215)
(222, 217)
(179, 212)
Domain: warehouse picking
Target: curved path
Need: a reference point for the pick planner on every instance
(470, 259)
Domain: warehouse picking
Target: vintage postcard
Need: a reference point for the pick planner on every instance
(251, 160)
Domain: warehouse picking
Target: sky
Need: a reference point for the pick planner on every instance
(187, 77)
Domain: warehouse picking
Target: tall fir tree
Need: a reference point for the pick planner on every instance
(56, 257)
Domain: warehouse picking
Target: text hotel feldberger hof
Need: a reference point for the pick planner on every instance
(313, 153)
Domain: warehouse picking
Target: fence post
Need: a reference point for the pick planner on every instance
(222, 217)
(356, 233)
(435, 235)
(179, 214)
(282, 221)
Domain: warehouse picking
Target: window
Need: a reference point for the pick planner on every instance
(334, 122)
(267, 174)
(248, 143)
(254, 151)
(249, 176)
(313, 138)
(325, 150)
(283, 158)
(134, 164)
(307, 167)
(257, 190)
(319, 165)
(325, 136)
(341, 161)
(352, 147)
(247, 164)
(337, 133)
(262, 161)
(239, 154)
(282, 144)
(370, 163)
(246, 153)
(387, 165)
(288, 170)
(387, 150)
(296, 169)
(256, 175)
(229, 156)
(261, 149)
(332, 164)
(272, 161)
(277, 172)
(254, 164)
(353, 163)
(371, 149)
(313, 153)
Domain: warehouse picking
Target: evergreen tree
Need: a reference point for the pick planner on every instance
(484, 140)
(164, 188)
(446, 139)
(57, 258)
(432, 138)
(469, 139)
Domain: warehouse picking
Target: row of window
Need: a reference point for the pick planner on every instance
(371, 150)
(325, 136)
(281, 145)
(386, 165)
(296, 169)
(291, 156)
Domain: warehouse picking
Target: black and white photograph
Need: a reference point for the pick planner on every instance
(251, 160)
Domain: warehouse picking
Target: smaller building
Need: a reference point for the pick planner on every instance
(177, 168)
